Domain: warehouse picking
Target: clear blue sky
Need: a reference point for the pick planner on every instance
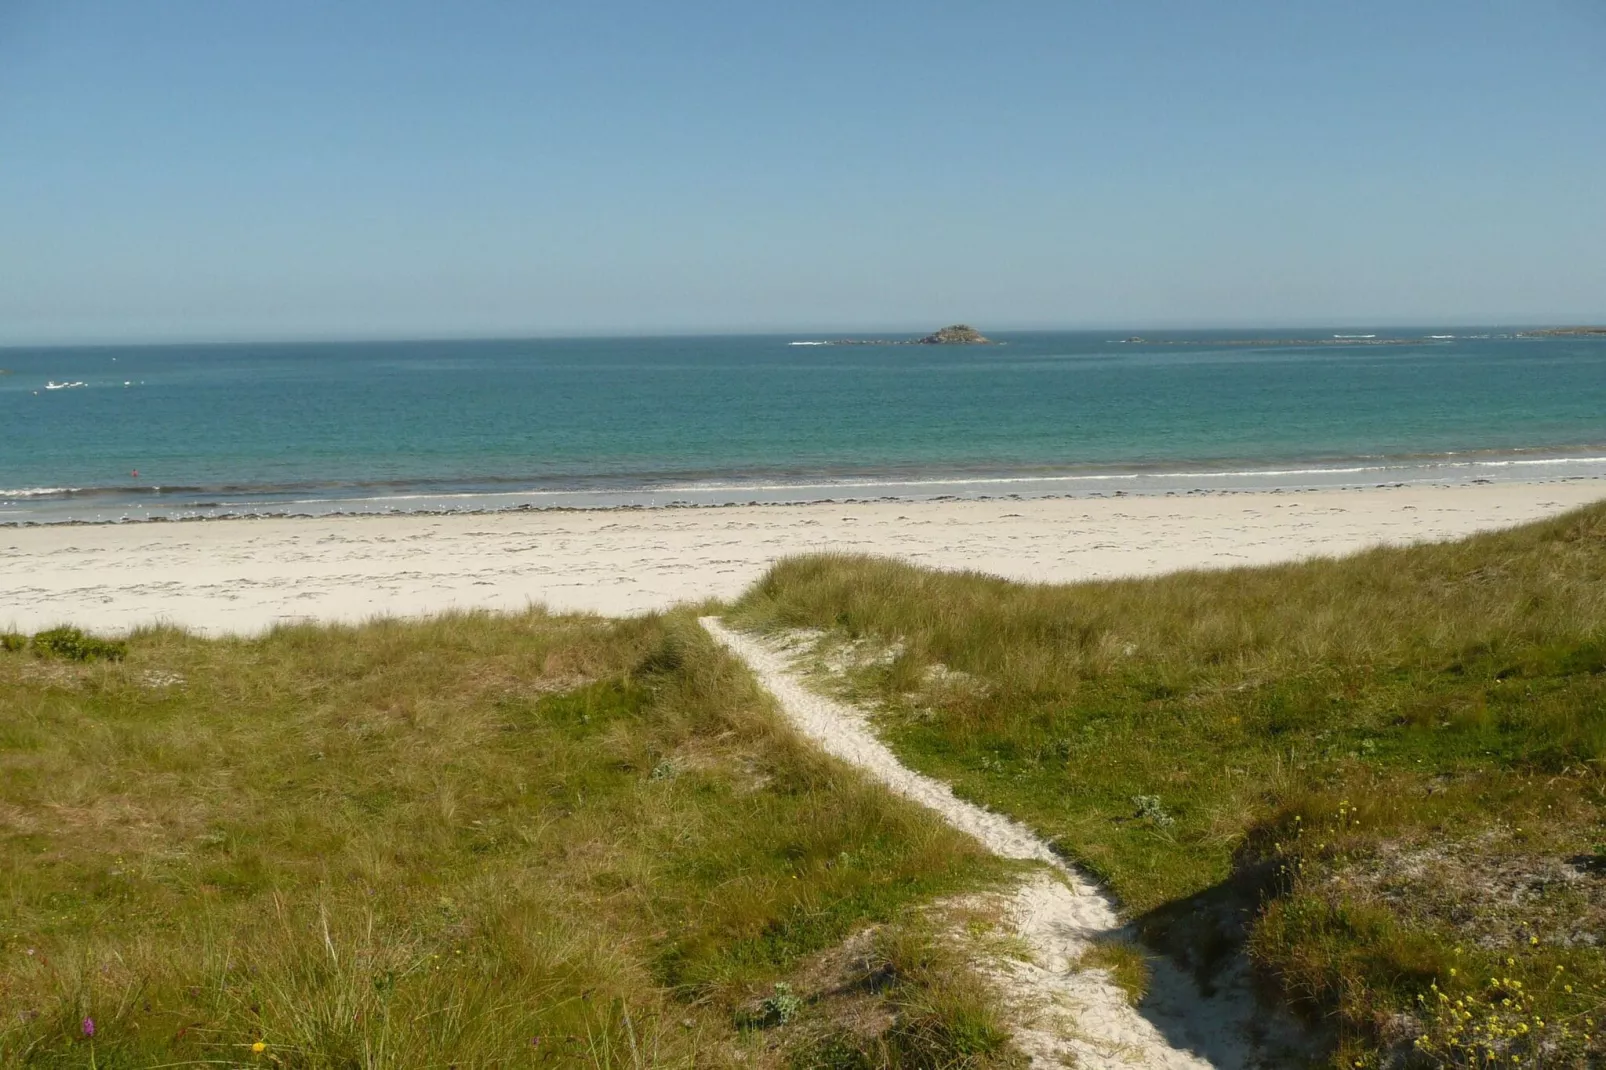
(197, 169)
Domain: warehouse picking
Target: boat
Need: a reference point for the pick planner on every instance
(53, 385)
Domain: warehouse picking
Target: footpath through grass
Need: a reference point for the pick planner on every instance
(1382, 775)
(475, 841)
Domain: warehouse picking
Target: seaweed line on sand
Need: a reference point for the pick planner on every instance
(1076, 1016)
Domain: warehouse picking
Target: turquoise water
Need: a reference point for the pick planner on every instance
(318, 428)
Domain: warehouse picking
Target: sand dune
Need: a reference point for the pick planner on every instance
(246, 575)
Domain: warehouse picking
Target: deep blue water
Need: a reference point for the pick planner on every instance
(371, 426)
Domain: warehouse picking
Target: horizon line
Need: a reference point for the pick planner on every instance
(832, 333)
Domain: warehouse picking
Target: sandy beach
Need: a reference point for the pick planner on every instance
(243, 576)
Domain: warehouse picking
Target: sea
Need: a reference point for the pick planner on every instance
(173, 432)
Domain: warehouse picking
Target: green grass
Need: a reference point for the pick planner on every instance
(1125, 962)
(1374, 770)
(943, 1015)
(71, 644)
(474, 841)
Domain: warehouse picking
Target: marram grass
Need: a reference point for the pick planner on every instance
(474, 841)
(1377, 774)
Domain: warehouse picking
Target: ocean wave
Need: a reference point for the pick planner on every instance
(917, 484)
(1156, 475)
(668, 481)
(649, 489)
(38, 492)
(109, 492)
(1516, 461)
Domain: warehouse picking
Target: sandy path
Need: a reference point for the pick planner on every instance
(247, 575)
(1057, 914)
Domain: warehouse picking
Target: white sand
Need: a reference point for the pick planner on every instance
(246, 575)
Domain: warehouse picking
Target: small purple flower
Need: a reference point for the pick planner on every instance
(89, 1027)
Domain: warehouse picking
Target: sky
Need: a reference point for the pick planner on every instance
(189, 170)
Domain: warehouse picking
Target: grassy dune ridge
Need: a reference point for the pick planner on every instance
(469, 841)
(1382, 772)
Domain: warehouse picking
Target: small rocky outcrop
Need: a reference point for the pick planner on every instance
(959, 334)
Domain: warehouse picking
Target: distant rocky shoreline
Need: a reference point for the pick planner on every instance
(1139, 340)
(1563, 332)
(965, 335)
(1365, 340)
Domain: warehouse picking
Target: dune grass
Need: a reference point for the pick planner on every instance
(1382, 772)
(473, 841)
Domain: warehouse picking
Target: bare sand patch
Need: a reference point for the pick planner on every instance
(243, 576)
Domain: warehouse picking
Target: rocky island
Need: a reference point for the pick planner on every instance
(957, 334)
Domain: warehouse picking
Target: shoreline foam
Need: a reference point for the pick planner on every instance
(243, 576)
(134, 504)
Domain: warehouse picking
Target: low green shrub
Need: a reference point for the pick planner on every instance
(11, 642)
(71, 644)
(781, 1006)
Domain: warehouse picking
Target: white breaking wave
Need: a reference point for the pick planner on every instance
(1180, 474)
(935, 483)
(808, 343)
(36, 492)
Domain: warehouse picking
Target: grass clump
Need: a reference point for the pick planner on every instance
(1347, 768)
(72, 644)
(901, 997)
(12, 642)
(431, 843)
(1126, 963)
